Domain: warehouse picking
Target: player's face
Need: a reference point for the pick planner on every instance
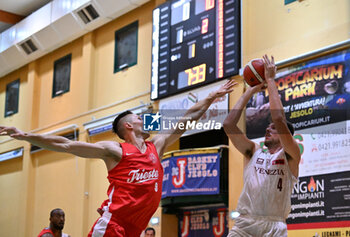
(271, 135)
(149, 233)
(58, 219)
(138, 126)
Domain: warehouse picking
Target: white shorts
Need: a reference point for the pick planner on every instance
(248, 226)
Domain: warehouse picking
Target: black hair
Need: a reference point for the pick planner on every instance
(116, 121)
(150, 228)
(55, 210)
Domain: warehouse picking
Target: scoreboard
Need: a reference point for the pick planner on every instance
(194, 42)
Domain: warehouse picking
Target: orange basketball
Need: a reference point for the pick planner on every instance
(254, 72)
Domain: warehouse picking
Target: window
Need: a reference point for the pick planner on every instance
(61, 75)
(125, 54)
(12, 96)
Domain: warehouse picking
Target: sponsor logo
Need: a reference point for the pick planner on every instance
(178, 173)
(260, 161)
(219, 229)
(185, 229)
(312, 189)
(152, 157)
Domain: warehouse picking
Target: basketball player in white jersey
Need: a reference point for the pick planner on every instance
(269, 176)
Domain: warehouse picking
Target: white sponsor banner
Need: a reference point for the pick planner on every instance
(325, 149)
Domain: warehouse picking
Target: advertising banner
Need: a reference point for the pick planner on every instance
(316, 99)
(321, 200)
(194, 174)
(203, 222)
(313, 93)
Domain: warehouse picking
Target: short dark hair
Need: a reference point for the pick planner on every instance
(55, 210)
(116, 121)
(150, 228)
(290, 127)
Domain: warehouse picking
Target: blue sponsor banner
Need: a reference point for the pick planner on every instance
(194, 174)
(203, 222)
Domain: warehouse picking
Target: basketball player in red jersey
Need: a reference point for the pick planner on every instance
(134, 169)
(57, 219)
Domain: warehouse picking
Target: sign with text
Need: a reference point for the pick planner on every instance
(317, 200)
(203, 222)
(313, 93)
(194, 174)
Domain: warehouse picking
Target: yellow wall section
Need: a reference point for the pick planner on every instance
(294, 29)
(109, 86)
(10, 196)
(20, 117)
(68, 104)
(59, 183)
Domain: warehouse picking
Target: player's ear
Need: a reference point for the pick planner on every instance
(128, 125)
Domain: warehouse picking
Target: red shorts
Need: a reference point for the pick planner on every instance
(105, 226)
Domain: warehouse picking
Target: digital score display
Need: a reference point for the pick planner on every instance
(194, 43)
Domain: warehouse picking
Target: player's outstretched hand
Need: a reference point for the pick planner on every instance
(225, 88)
(12, 132)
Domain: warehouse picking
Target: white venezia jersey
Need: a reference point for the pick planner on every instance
(268, 184)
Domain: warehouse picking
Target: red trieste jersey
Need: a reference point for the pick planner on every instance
(135, 187)
(45, 231)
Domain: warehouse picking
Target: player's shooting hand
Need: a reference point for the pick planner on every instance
(225, 88)
(257, 88)
(270, 67)
(12, 132)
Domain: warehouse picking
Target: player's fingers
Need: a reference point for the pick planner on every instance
(230, 82)
(4, 132)
(266, 61)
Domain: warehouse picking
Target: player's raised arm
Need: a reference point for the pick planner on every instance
(161, 141)
(103, 150)
(236, 136)
(278, 117)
